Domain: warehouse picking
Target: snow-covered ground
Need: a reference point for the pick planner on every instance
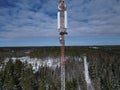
(37, 62)
(87, 77)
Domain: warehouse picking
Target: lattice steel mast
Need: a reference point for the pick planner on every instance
(62, 26)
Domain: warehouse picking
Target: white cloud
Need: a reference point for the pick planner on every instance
(37, 18)
(99, 18)
(25, 23)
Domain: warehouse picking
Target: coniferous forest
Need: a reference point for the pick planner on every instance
(103, 66)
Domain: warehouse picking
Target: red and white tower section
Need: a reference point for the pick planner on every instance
(62, 17)
(62, 27)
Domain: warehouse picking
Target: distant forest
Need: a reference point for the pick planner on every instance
(103, 61)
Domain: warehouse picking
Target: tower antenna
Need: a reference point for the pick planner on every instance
(62, 27)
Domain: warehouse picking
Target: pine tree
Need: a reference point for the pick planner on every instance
(27, 78)
(8, 76)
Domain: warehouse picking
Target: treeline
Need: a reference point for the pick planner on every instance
(104, 70)
(55, 51)
(20, 76)
(69, 51)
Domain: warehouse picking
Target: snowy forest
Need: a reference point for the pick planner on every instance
(38, 68)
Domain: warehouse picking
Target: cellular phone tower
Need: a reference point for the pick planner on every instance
(62, 27)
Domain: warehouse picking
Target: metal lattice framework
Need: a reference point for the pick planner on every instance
(62, 26)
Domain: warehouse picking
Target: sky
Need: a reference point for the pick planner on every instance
(34, 22)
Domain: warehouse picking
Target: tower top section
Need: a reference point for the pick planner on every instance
(62, 5)
(62, 0)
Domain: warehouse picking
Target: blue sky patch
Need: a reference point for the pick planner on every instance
(34, 22)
